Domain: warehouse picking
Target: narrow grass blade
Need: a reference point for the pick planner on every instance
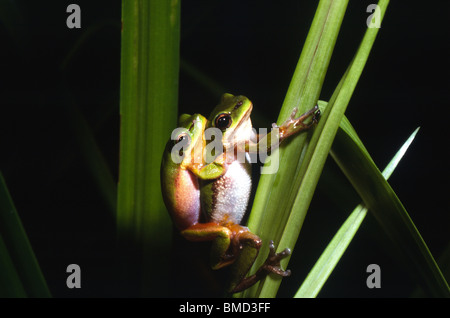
(444, 262)
(275, 193)
(148, 108)
(338, 245)
(19, 248)
(303, 93)
(10, 284)
(317, 151)
(382, 201)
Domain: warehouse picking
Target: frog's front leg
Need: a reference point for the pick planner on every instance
(294, 125)
(288, 128)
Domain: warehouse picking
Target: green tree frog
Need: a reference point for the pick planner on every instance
(225, 199)
(181, 165)
(207, 201)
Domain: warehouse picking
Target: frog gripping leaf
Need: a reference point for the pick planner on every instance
(218, 191)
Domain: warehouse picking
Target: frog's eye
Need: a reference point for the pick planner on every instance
(184, 137)
(223, 121)
(185, 140)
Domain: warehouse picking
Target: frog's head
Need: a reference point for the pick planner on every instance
(232, 117)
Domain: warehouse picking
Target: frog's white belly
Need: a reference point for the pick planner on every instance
(232, 192)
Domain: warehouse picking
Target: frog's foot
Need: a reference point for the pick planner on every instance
(294, 125)
(316, 115)
(272, 263)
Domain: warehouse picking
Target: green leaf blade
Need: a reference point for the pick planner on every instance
(148, 108)
(338, 245)
(318, 148)
(10, 284)
(388, 210)
(276, 192)
(17, 248)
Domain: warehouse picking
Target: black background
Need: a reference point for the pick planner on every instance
(249, 48)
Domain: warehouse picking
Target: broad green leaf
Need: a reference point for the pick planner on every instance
(148, 108)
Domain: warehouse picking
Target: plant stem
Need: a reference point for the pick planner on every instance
(148, 108)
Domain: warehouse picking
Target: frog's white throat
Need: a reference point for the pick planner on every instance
(242, 132)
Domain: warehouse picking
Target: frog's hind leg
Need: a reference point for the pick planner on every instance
(246, 245)
(220, 237)
(230, 246)
(271, 265)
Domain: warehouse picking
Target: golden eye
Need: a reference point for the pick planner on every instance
(223, 121)
(185, 139)
(182, 137)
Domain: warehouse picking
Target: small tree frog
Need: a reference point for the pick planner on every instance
(225, 199)
(207, 201)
